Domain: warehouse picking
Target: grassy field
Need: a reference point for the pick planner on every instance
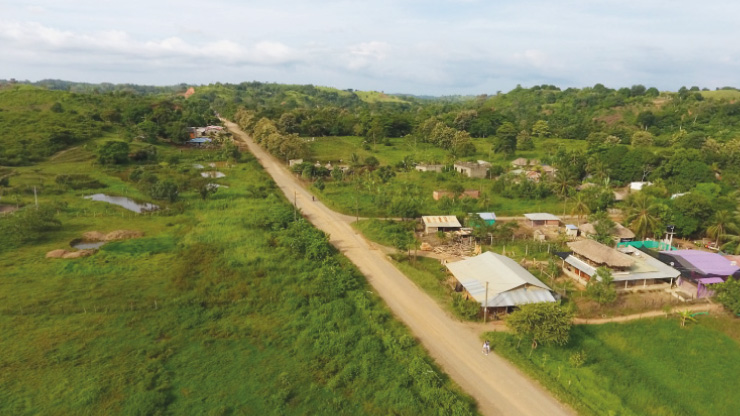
(646, 367)
(722, 94)
(225, 306)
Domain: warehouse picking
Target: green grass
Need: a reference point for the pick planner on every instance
(646, 367)
(722, 94)
(333, 149)
(378, 97)
(384, 232)
(224, 307)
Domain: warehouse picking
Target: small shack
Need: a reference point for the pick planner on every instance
(571, 230)
(446, 223)
(472, 169)
(542, 219)
(293, 162)
(509, 284)
(488, 217)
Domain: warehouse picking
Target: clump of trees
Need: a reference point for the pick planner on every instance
(542, 323)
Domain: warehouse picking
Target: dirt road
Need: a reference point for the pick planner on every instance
(648, 314)
(499, 388)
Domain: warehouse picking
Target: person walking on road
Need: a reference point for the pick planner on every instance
(486, 347)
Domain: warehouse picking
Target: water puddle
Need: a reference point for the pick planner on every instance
(127, 203)
(198, 166)
(212, 174)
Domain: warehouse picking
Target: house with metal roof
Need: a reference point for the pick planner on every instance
(542, 218)
(434, 223)
(699, 270)
(509, 284)
(629, 266)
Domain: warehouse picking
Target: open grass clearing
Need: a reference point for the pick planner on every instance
(645, 367)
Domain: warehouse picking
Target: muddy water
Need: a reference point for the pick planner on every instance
(127, 203)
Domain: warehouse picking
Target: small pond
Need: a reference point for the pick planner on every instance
(212, 174)
(85, 245)
(127, 203)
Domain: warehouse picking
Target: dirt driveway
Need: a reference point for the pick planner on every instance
(499, 388)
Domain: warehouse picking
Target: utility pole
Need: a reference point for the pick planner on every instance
(485, 309)
(35, 198)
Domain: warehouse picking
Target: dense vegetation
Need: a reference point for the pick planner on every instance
(201, 315)
(646, 367)
(686, 143)
(37, 123)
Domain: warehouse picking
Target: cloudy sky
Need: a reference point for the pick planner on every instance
(435, 47)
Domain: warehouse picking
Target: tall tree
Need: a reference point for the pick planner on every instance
(642, 214)
(722, 224)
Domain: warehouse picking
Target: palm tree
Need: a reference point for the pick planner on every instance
(723, 223)
(642, 214)
(580, 208)
(732, 244)
(686, 315)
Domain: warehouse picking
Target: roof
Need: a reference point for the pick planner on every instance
(541, 216)
(600, 254)
(619, 230)
(445, 221)
(637, 186)
(472, 165)
(487, 216)
(644, 267)
(509, 284)
(705, 262)
(200, 140)
(571, 226)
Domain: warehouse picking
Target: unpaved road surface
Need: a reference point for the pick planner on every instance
(648, 314)
(498, 387)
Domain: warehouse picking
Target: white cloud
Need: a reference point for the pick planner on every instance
(366, 53)
(43, 40)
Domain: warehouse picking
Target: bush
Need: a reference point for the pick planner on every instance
(113, 152)
(165, 190)
(78, 181)
(465, 308)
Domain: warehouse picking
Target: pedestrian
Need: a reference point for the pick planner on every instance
(486, 347)
(313, 198)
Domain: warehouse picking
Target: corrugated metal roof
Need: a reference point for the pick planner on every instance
(571, 226)
(521, 296)
(645, 267)
(706, 263)
(487, 216)
(441, 221)
(541, 216)
(503, 275)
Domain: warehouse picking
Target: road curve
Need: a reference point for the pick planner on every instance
(497, 386)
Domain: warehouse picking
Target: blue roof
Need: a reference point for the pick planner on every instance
(487, 215)
(200, 140)
(571, 227)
